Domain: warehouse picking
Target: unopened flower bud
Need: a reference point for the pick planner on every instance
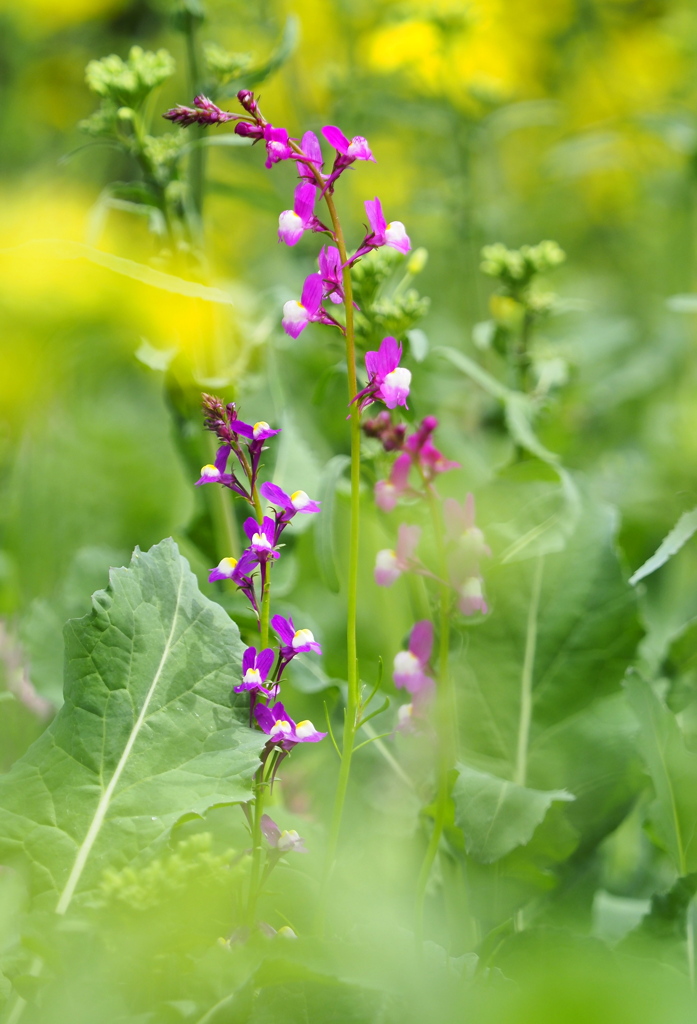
(417, 261)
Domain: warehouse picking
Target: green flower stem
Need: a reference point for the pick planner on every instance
(446, 720)
(351, 716)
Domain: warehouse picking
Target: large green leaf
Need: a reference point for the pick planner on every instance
(148, 732)
(673, 770)
(496, 815)
(538, 691)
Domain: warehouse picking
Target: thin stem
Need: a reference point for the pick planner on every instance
(197, 154)
(223, 516)
(526, 679)
(446, 719)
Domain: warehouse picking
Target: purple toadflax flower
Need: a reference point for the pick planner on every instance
(388, 491)
(216, 473)
(311, 156)
(282, 731)
(394, 235)
(238, 571)
(255, 671)
(203, 112)
(388, 381)
(293, 641)
(348, 150)
(389, 565)
(330, 271)
(293, 223)
(291, 504)
(427, 458)
(262, 537)
(297, 315)
(410, 667)
(286, 841)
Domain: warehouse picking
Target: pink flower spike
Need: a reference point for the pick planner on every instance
(388, 491)
(329, 261)
(389, 565)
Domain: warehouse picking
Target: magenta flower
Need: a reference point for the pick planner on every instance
(410, 667)
(388, 491)
(348, 150)
(293, 641)
(429, 460)
(394, 235)
(203, 112)
(286, 841)
(216, 473)
(282, 730)
(388, 381)
(238, 571)
(297, 315)
(277, 145)
(291, 504)
(311, 156)
(262, 537)
(255, 671)
(292, 223)
(330, 271)
(389, 565)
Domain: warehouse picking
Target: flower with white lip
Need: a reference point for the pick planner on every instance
(410, 667)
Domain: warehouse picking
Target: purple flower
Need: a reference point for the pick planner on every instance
(427, 457)
(292, 223)
(311, 155)
(348, 150)
(249, 103)
(237, 571)
(330, 271)
(258, 431)
(389, 565)
(297, 315)
(277, 145)
(262, 538)
(286, 841)
(291, 504)
(203, 112)
(394, 235)
(388, 381)
(467, 548)
(255, 671)
(388, 491)
(249, 131)
(282, 730)
(215, 473)
(294, 641)
(410, 667)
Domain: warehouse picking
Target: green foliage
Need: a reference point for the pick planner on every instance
(147, 723)
(128, 82)
(387, 303)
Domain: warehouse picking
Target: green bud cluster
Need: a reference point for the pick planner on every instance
(128, 82)
(167, 877)
(386, 310)
(516, 268)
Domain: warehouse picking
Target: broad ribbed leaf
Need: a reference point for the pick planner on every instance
(496, 815)
(148, 732)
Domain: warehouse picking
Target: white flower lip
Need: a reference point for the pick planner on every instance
(209, 472)
(302, 637)
(281, 728)
(304, 729)
(252, 675)
(399, 378)
(294, 312)
(406, 664)
(299, 500)
(227, 565)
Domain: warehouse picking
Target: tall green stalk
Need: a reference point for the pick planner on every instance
(446, 719)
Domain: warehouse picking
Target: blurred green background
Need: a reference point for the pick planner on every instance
(491, 120)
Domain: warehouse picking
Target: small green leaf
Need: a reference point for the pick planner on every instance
(683, 530)
(496, 815)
